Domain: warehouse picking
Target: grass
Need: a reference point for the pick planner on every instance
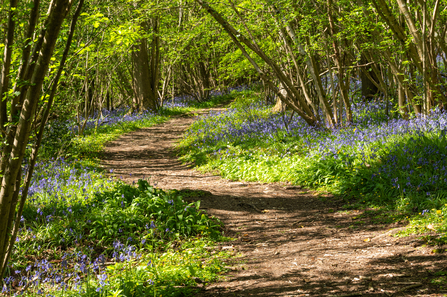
(85, 234)
(393, 167)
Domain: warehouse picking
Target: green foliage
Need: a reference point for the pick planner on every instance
(126, 213)
(128, 226)
(172, 273)
(401, 173)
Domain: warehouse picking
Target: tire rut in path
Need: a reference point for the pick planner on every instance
(290, 242)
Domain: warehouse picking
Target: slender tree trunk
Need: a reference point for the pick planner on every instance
(4, 78)
(108, 100)
(86, 88)
(34, 16)
(337, 119)
(402, 102)
(338, 63)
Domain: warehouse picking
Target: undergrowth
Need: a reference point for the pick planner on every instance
(106, 238)
(378, 162)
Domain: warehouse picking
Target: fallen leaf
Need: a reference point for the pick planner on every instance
(367, 240)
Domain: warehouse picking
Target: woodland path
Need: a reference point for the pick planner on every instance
(291, 243)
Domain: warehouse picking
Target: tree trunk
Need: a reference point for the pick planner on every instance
(369, 87)
(337, 58)
(280, 106)
(146, 70)
(402, 102)
(4, 77)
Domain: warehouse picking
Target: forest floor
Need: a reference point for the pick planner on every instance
(289, 241)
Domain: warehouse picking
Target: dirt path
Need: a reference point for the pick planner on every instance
(291, 243)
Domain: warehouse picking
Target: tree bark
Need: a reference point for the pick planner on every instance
(369, 80)
(34, 16)
(337, 58)
(4, 78)
(146, 70)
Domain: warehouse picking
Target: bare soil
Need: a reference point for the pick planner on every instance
(289, 241)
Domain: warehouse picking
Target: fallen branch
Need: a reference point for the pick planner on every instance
(347, 295)
(408, 288)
